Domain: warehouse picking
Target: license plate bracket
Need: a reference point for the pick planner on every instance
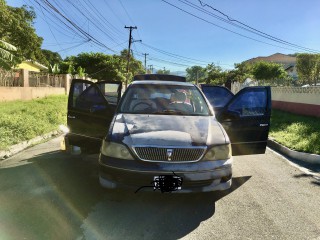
(167, 183)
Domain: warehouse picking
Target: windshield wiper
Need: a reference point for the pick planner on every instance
(169, 112)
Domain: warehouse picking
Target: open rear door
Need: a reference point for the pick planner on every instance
(218, 96)
(246, 119)
(91, 107)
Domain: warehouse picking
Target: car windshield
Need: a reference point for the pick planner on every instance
(164, 99)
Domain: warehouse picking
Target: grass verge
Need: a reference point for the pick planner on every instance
(24, 120)
(299, 133)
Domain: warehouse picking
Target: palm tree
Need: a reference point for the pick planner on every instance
(6, 56)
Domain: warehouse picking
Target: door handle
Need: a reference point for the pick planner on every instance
(264, 124)
(73, 117)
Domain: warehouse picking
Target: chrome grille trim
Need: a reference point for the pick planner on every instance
(181, 154)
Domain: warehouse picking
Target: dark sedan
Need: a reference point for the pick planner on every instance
(164, 135)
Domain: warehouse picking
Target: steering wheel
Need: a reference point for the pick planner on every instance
(149, 106)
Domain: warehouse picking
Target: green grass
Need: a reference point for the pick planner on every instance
(24, 120)
(300, 133)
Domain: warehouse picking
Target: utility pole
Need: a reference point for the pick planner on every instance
(151, 68)
(129, 49)
(197, 80)
(145, 60)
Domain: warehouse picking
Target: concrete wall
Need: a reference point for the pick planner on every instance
(305, 101)
(28, 93)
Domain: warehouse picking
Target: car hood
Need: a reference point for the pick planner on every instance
(167, 130)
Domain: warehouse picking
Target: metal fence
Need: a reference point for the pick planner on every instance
(9, 78)
(278, 83)
(12, 78)
(45, 80)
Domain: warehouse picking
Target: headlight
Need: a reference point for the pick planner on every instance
(115, 150)
(218, 153)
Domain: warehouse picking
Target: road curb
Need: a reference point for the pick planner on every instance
(305, 157)
(14, 149)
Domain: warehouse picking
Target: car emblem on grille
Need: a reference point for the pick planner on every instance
(169, 154)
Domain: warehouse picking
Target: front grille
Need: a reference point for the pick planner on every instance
(161, 154)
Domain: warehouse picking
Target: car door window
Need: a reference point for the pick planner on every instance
(217, 96)
(90, 100)
(109, 91)
(253, 103)
(78, 89)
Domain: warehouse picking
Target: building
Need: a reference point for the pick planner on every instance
(288, 62)
(32, 66)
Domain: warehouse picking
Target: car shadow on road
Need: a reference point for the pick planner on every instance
(81, 208)
(152, 215)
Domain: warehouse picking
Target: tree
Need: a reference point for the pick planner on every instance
(164, 71)
(81, 71)
(135, 66)
(7, 58)
(241, 72)
(104, 67)
(51, 57)
(55, 68)
(196, 73)
(16, 27)
(308, 68)
(268, 71)
(214, 75)
(98, 65)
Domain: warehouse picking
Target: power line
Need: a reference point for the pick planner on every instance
(62, 43)
(50, 28)
(128, 16)
(113, 12)
(112, 27)
(93, 22)
(260, 33)
(66, 27)
(182, 58)
(100, 20)
(75, 46)
(84, 33)
(175, 55)
(226, 29)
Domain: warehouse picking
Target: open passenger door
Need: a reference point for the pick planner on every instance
(91, 107)
(245, 116)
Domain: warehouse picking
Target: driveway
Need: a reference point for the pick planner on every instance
(48, 194)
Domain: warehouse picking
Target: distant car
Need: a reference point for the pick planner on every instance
(312, 85)
(164, 134)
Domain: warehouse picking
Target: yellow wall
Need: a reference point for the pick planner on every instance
(29, 66)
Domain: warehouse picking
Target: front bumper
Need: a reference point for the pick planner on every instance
(202, 176)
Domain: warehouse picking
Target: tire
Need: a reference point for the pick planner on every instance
(71, 149)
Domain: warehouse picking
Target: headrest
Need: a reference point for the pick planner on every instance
(180, 96)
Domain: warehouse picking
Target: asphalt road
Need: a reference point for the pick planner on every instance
(47, 194)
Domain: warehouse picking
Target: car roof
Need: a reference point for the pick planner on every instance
(157, 82)
(162, 77)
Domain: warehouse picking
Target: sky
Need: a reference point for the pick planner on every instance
(177, 34)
